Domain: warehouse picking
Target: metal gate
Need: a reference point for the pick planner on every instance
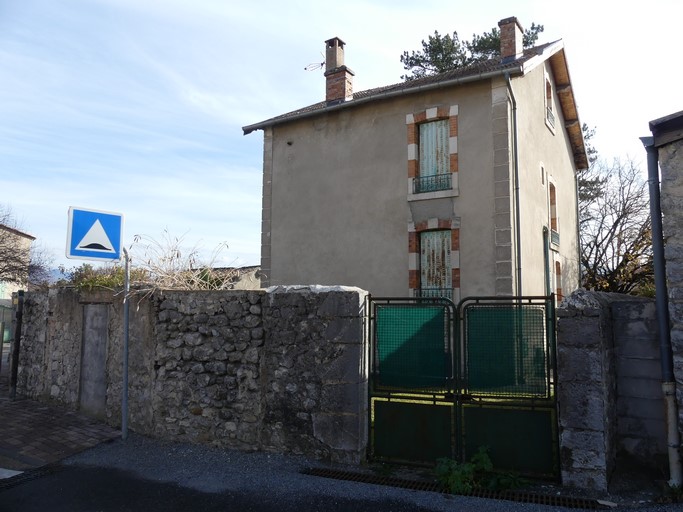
(447, 380)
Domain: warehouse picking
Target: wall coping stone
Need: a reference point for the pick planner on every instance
(314, 288)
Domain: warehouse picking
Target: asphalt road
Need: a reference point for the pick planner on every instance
(149, 476)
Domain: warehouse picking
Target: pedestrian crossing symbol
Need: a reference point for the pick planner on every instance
(94, 235)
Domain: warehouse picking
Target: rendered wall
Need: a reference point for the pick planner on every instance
(543, 147)
(336, 204)
(339, 210)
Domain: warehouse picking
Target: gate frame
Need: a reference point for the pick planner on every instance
(457, 393)
(444, 397)
(548, 402)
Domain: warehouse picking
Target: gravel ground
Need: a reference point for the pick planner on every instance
(278, 480)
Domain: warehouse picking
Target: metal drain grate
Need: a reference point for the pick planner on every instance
(416, 485)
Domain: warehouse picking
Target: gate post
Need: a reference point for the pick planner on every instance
(586, 388)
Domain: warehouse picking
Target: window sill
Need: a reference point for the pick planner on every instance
(439, 194)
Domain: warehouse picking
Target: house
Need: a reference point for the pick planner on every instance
(15, 249)
(458, 184)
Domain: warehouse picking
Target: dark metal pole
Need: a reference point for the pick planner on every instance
(661, 294)
(2, 341)
(124, 397)
(14, 367)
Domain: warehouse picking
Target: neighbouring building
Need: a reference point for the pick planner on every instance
(456, 184)
(15, 247)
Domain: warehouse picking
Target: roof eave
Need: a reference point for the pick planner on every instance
(570, 113)
(17, 232)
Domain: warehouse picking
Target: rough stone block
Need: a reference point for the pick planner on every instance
(589, 460)
(637, 367)
(344, 330)
(343, 398)
(340, 304)
(338, 431)
(582, 407)
(585, 479)
(581, 365)
(584, 439)
(580, 331)
(640, 388)
(348, 366)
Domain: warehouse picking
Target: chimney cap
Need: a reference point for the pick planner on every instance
(511, 19)
(330, 42)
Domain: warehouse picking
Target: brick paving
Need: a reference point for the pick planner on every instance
(33, 434)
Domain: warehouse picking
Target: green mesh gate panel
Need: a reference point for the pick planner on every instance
(445, 381)
(506, 349)
(412, 347)
(412, 431)
(519, 439)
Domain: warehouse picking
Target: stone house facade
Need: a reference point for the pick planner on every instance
(457, 184)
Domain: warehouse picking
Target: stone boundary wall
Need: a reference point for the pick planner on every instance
(609, 386)
(281, 370)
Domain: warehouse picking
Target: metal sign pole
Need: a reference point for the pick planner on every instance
(124, 389)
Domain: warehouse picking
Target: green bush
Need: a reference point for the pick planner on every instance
(111, 277)
(464, 477)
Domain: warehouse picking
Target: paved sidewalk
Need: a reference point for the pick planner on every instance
(33, 434)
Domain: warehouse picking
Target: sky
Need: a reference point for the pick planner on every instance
(136, 106)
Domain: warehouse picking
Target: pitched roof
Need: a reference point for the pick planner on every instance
(530, 58)
(15, 231)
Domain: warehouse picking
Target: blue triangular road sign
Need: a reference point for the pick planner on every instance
(94, 235)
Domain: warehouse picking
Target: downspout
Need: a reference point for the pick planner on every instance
(578, 231)
(546, 260)
(662, 306)
(515, 170)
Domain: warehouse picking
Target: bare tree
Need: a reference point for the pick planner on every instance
(616, 241)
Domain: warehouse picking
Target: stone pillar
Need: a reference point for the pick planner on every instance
(314, 372)
(586, 391)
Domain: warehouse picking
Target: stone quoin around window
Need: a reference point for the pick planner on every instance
(433, 143)
(416, 274)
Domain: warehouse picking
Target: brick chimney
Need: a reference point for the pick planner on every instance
(511, 39)
(339, 86)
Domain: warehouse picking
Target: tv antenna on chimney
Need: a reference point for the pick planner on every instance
(316, 65)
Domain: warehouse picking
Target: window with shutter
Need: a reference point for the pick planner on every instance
(434, 157)
(435, 263)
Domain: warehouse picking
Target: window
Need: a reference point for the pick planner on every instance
(435, 264)
(433, 153)
(554, 224)
(434, 157)
(549, 114)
